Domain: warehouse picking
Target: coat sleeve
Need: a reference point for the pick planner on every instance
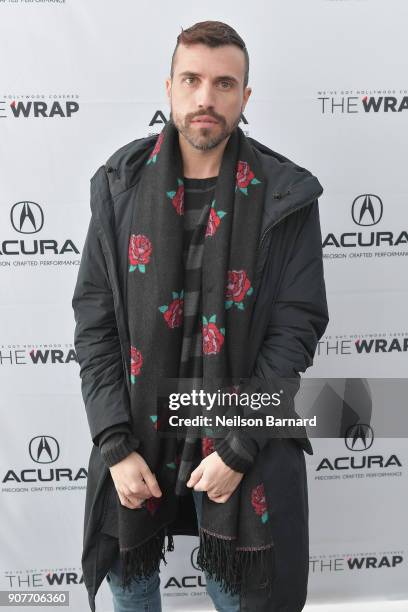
(299, 314)
(96, 341)
(298, 318)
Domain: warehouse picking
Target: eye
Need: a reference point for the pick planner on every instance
(227, 83)
(190, 78)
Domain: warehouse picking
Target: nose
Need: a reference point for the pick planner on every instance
(205, 96)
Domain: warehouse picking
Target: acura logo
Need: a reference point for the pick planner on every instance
(27, 217)
(367, 209)
(359, 437)
(193, 558)
(44, 449)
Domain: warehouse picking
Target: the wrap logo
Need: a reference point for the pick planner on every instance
(354, 344)
(37, 355)
(43, 578)
(339, 563)
(347, 104)
(37, 109)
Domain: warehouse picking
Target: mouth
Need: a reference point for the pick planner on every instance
(204, 121)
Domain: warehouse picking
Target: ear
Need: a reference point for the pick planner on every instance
(168, 88)
(247, 93)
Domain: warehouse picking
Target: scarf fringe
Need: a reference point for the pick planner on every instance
(235, 569)
(232, 569)
(142, 561)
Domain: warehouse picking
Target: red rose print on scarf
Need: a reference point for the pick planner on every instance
(153, 155)
(214, 219)
(238, 286)
(173, 312)
(258, 501)
(207, 446)
(153, 503)
(244, 177)
(213, 337)
(177, 197)
(140, 249)
(136, 362)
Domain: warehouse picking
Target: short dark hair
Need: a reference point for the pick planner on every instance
(212, 34)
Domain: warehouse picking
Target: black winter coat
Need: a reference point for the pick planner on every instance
(290, 316)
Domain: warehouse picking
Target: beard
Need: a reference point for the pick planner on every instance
(203, 138)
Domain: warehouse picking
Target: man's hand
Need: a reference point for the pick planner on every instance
(215, 477)
(134, 481)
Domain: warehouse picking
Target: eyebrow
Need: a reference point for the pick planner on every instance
(219, 78)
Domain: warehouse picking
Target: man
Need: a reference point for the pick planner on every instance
(170, 215)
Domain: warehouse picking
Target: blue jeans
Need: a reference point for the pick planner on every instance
(144, 594)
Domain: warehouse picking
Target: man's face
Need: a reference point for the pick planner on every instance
(206, 93)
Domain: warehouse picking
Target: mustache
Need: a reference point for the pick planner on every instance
(208, 114)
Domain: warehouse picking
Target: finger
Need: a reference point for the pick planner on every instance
(195, 476)
(140, 503)
(136, 503)
(201, 485)
(213, 494)
(135, 499)
(151, 482)
(215, 491)
(219, 499)
(137, 490)
(128, 503)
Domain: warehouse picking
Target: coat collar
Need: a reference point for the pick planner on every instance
(289, 186)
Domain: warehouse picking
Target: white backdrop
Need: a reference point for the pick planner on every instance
(79, 80)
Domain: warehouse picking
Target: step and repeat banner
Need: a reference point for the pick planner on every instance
(330, 91)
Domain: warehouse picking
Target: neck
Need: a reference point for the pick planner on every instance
(198, 163)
